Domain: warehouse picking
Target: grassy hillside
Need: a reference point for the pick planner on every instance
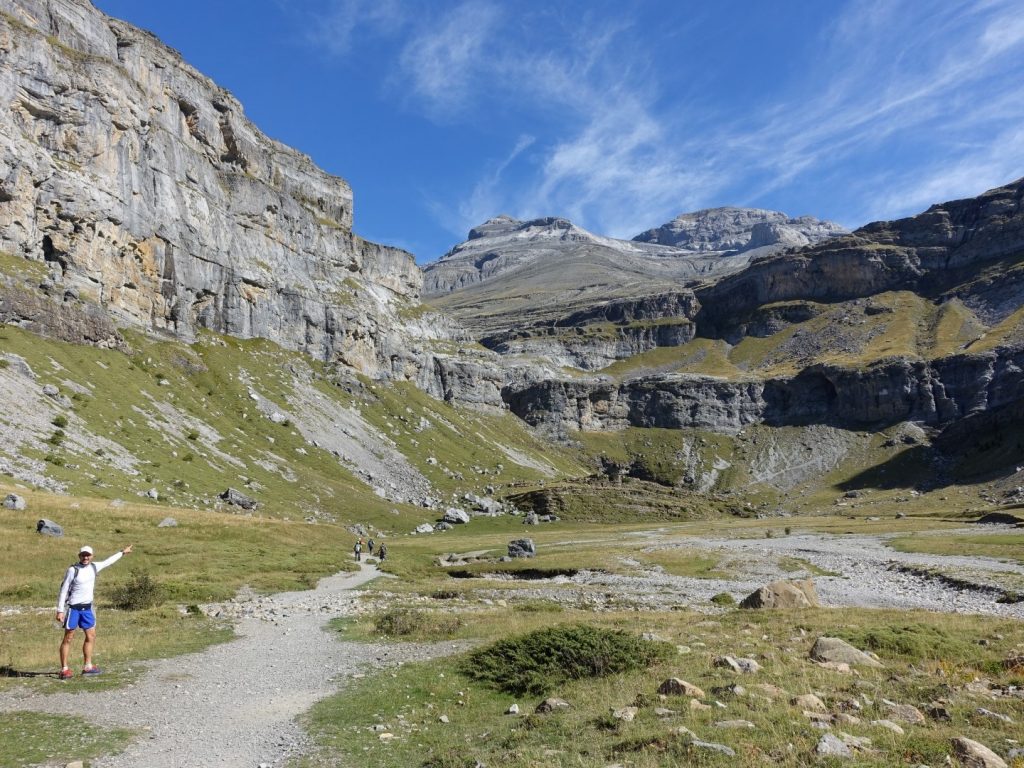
(189, 421)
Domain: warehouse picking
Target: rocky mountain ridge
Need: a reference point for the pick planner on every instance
(703, 244)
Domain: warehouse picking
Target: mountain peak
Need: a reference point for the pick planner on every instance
(734, 229)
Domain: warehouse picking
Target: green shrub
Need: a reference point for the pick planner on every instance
(55, 459)
(60, 421)
(193, 434)
(723, 598)
(403, 622)
(540, 661)
(57, 437)
(138, 593)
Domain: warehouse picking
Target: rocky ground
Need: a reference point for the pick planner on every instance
(867, 574)
(235, 704)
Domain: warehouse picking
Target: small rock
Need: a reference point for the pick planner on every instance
(890, 725)
(386, 736)
(443, 719)
(676, 687)
(167, 522)
(698, 706)
(973, 754)
(625, 714)
(905, 713)
(712, 747)
(810, 702)
(512, 710)
(831, 745)
(995, 715)
(153, 493)
(835, 649)
(552, 704)
(746, 724)
(664, 712)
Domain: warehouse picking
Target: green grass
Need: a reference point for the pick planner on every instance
(30, 738)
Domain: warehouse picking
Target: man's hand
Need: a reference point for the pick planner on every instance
(60, 616)
(126, 550)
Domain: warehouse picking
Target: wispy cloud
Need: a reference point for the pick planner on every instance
(334, 29)
(443, 61)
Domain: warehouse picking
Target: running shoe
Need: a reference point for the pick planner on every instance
(92, 671)
(66, 674)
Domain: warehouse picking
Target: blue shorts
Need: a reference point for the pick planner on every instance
(79, 619)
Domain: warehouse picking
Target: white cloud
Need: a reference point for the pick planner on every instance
(335, 30)
(442, 62)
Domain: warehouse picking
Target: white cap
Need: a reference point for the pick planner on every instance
(85, 549)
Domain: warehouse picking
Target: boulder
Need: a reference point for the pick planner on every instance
(783, 594)
(834, 649)
(456, 516)
(167, 522)
(49, 528)
(521, 548)
(14, 501)
(973, 754)
(424, 528)
(443, 526)
(531, 519)
(238, 499)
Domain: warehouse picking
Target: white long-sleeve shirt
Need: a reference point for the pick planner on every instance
(82, 589)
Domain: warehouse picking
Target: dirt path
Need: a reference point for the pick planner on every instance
(235, 704)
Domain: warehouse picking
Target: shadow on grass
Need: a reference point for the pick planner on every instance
(8, 671)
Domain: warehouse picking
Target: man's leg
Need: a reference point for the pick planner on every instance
(65, 644)
(90, 639)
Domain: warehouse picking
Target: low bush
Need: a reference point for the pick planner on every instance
(60, 421)
(723, 598)
(405, 622)
(540, 661)
(141, 591)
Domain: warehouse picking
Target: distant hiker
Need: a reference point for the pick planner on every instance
(369, 547)
(358, 549)
(74, 607)
(382, 552)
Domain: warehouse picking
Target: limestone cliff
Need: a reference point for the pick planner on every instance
(146, 190)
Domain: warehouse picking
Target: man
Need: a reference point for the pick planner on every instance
(74, 607)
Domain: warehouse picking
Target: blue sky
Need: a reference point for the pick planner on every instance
(620, 115)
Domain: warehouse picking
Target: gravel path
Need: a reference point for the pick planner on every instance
(235, 704)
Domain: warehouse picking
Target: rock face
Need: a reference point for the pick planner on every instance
(144, 189)
(739, 229)
(928, 253)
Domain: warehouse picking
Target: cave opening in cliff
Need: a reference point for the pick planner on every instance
(52, 255)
